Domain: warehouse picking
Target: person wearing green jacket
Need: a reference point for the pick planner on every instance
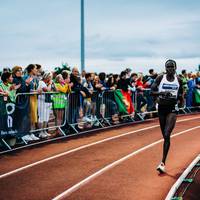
(60, 99)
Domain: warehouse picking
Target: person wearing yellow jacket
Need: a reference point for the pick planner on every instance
(60, 99)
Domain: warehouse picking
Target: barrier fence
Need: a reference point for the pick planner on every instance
(33, 117)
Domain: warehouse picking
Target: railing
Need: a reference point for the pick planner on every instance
(32, 115)
(61, 115)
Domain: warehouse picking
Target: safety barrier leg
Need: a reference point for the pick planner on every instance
(24, 141)
(184, 111)
(188, 109)
(100, 123)
(140, 116)
(62, 131)
(73, 126)
(7, 145)
(132, 118)
(106, 120)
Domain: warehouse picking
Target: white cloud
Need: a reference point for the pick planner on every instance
(118, 33)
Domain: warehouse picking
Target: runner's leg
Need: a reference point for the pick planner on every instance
(169, 126)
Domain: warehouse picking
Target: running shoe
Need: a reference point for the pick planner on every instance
(47, 134)
(27, 138)
(42, 135)
(161, 168)
(33, 137)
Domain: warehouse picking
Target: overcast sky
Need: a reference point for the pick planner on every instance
(119, 33)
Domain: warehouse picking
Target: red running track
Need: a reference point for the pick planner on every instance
(134, 178)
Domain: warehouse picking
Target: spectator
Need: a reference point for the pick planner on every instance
(198, 78)
(60, 100)
(148, 81)
(8, 89)
(83, 79)
(128, 73)
(116, 79)
(102, 80)
(31, 77)
(123, 82)
(77, 98)
(97, 85)
(141, 101)
(40, 72)
(45, 102)
(66, 77)
(74, 79)
(92, 78)
(90, 101)
(111, 83)
(125, 86)
(190, 95)
(22, 105)
(184, 79)
(17, 74)
(56, 71)
(74, 98)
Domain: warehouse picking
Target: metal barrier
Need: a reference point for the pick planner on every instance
(151, 106)
(69, 114)
(117, 106)
(100, 109)
(32, 115)
(83, 112)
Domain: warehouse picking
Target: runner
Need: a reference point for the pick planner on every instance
(167, 90)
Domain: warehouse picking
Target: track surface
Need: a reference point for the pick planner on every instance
(134, 178)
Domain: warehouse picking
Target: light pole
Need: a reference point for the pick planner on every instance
(82, 37)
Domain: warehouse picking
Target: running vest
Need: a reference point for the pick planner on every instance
(167, 86)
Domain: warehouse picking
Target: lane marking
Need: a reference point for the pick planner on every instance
(83, 147)
(77, 186)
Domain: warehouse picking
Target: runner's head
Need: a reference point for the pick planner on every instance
(170, 67)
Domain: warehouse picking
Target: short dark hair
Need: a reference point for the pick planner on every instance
(65, 74)
(151, 71)
(170, 63)
(38, 66)
(5, 76)
(87, 75)
(115, 76)
(183, 71)
(123, 73)
(133, 74)
(102, 76)
(30, 68)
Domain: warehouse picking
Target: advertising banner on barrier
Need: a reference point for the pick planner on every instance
(6, 117)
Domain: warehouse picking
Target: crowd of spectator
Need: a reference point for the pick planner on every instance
(63, 81)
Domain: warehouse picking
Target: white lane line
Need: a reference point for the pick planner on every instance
(77, 186)
(82, 147)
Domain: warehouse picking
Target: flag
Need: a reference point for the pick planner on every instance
(197, 96)
(124, 102)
